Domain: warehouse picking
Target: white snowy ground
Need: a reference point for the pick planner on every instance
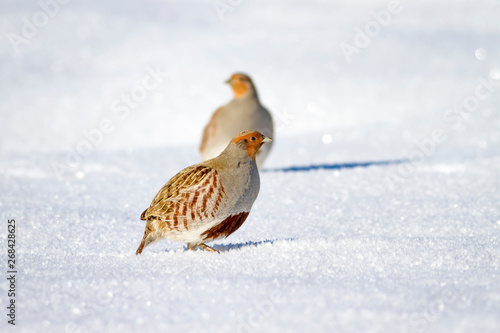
(356, 228)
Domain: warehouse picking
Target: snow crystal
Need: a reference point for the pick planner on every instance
(364, 222)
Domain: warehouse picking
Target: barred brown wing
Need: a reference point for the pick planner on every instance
(189, 197)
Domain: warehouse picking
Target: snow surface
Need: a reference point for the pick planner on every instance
(355, 228)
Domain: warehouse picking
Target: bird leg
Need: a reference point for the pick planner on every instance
(208, 248)
(193, 246)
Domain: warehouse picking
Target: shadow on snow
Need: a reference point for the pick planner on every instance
(334, 166)
(237, 246)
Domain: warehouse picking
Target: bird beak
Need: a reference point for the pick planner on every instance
(267, 139)
(228, 81)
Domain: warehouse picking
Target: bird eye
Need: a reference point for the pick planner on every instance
(253, 138)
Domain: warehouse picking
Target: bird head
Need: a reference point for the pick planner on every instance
(241, 84)
(251, 141)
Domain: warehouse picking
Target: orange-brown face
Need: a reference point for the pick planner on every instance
(252, 140)
(240, 83)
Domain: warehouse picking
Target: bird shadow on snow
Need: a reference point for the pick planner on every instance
(334, 166)
(228, 247)
(237, 246)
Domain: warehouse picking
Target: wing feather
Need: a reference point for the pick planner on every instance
(190, 195)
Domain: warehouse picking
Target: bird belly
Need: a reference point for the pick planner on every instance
(206, 231)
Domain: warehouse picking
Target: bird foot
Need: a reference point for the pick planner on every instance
(202, 246)
(208, 248)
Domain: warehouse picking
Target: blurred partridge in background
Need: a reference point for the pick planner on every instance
(243, 112)
(209, 200)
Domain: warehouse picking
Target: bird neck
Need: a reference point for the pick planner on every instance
(252, 151)
(245, 93)
(234, 152)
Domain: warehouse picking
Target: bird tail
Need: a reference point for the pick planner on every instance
(149, 237)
